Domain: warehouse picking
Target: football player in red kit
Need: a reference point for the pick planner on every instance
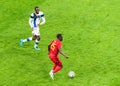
(54, 48)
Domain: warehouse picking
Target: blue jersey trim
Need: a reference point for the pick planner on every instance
(35, 17)
(42, 15)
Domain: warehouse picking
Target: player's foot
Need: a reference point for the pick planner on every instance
(21, 43)
(51, 74)
(36, 48)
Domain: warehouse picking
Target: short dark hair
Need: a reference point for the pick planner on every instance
(36, 7)
(58, 35)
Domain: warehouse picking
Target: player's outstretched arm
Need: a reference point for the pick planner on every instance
(61, 52)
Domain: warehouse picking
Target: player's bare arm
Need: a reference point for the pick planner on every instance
(61, 52)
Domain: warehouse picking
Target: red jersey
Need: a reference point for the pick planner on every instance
(54, 46)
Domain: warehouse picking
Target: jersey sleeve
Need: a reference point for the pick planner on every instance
(43, 18)
(31, 19)
(59, 45)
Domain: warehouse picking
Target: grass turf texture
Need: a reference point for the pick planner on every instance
(91, 38)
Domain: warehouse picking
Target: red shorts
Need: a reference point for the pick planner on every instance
(56, 60)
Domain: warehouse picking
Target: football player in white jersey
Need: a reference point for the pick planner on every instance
(35, 22)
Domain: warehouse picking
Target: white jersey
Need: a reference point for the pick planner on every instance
(34, 19)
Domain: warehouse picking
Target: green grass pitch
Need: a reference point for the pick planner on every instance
(91, 31)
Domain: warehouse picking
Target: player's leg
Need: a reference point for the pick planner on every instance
(34, 37)
(37, 43)
(25, 40)
(54, 67)
(54, 61)
(51, 72)
(58, 68)
(59, 65)
(37, 40)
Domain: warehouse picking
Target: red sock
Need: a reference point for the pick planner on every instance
(57, 69)
(54, 66)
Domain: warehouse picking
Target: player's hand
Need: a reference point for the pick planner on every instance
(39, 24)
(66, 56)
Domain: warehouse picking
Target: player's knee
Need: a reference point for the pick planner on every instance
(33, 38)
(61, 65)
(38, 38)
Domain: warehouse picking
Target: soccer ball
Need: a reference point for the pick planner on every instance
(71, 74)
